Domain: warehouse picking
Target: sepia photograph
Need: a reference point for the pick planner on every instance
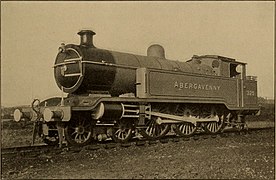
(137, 90)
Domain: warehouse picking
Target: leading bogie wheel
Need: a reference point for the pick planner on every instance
(79, 131)
(122, 131)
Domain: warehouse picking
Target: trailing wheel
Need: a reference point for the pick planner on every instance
(79, 131)
(122, 131)
(154, 130)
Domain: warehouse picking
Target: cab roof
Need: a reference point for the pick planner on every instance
(222, 58)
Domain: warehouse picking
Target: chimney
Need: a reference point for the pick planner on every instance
(86, 38)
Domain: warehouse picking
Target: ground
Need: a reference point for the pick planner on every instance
(248, 156)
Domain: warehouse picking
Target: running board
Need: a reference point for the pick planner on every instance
(169, 118)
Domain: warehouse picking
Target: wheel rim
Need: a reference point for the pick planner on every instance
(154, 130)
(122, 133)
(79, 132)
(214, 127)
(185, 129)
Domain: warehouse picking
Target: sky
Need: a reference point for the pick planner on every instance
(31, 33)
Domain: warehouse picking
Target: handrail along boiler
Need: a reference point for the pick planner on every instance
(114, 94)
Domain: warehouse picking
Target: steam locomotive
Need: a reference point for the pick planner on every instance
(120, 95)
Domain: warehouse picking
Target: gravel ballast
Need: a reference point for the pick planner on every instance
(248, 156)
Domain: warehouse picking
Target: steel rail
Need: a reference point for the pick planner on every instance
(135, 141)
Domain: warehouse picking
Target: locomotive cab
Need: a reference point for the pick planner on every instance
(230, 68)
(221, 66)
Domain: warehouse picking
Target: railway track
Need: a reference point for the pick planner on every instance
(23, 150)
(108, 144)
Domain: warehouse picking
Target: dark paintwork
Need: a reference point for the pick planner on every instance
(106, 77)
(95, 77)
(206, 89)
(115, 73)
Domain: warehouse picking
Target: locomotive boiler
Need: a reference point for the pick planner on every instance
(81, 69)
(119, 95)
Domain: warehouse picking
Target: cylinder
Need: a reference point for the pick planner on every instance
(113, 111)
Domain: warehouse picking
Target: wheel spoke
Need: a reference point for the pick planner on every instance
(80, 138)
(152, 129)
(214, 127)
(76, 137)
(117, 132)
(185, 129)
(85, 137)
(74, 132)
(120, 135)
(122, 132)
(79, 132)
(124, 135)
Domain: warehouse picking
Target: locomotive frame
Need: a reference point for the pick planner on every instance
(114, 94)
